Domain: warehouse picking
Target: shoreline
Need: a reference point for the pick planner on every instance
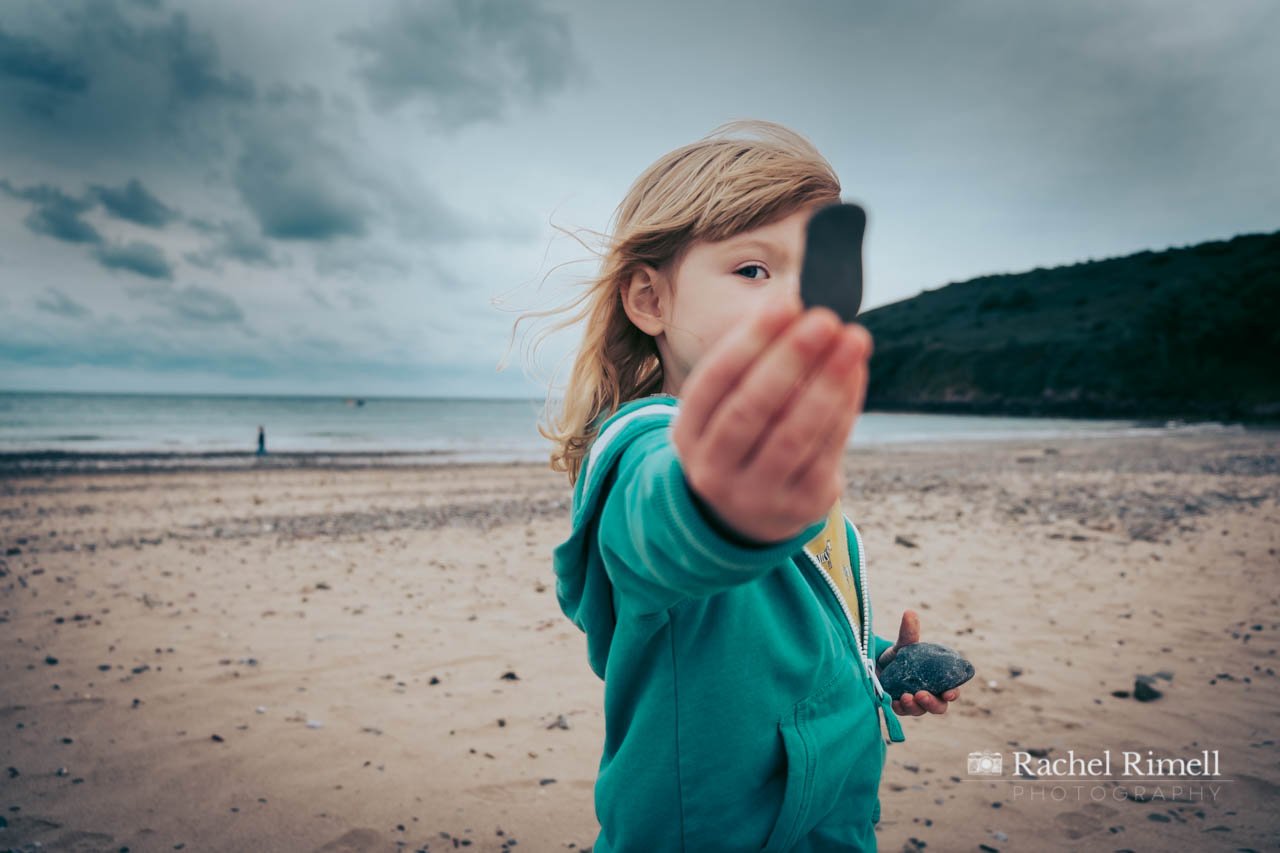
(51, 462)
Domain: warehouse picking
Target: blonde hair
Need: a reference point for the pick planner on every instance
(711, 189)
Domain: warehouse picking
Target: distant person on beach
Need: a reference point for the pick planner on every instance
(722, 590)
(262, 441)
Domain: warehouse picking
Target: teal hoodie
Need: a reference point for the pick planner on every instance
(740, 712)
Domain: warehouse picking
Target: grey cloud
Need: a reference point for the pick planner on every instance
(318, 298)
(287, 186)
(303, 175)
(357, 300)
(149, 349)
(193, 305)
(134, 87)
(359, 262)
(232, 241)
(192, 58)
(142, 258)
(28, 59)
(60, 304)
(58, 215)
(203, 306)
(444, 276)
(464, 61)
(134, 203)
(159, 93)
(114, 343)
(297, 182)
(418, 213)
(55, 213)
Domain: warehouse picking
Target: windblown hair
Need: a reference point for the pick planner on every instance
(709, 190)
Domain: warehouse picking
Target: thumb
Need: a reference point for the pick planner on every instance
(909, 631)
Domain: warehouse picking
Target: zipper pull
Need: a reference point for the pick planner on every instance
(871, 674)
(885, 701)
(891, 720)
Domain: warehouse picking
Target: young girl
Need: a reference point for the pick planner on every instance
(722, 589)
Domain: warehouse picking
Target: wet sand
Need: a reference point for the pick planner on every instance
(374, 659)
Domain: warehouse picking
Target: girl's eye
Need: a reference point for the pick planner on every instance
(751, 267)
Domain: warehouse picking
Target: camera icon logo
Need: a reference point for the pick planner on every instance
(986, 763)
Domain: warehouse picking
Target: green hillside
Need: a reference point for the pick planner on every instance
(1188, 333)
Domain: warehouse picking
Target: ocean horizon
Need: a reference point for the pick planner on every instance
(144, 429)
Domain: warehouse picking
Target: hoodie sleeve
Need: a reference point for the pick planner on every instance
(661, 544)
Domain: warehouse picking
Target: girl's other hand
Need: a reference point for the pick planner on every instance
(766, 415)
(922, 701)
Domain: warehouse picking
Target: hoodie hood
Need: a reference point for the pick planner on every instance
(582, 585)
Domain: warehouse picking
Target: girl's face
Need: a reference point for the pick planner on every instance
(716, 285)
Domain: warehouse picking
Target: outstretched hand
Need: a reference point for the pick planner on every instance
(923, 701)
(766, 414)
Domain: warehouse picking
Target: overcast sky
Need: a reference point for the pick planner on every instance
(327, 197)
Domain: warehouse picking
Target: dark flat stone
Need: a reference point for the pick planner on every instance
(832, 270)
(925, 666)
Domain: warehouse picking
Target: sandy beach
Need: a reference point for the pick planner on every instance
(374, 659)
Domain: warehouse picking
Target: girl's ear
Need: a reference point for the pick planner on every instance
(642, 300)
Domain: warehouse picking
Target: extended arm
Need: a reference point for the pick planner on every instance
(661, 543)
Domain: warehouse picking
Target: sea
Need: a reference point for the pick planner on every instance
(83, 431)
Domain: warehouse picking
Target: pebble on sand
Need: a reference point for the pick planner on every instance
(1143, 691)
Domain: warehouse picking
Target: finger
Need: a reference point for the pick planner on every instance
(723, 365)
(833, 450)
(825, 471)
(897, 708)
(909, 705)
(811, 417)
(930, 703)
(909, 631)
(821, 414)
(746, 416)
(951, 695)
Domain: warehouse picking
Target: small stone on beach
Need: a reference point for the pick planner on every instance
(1144, 692)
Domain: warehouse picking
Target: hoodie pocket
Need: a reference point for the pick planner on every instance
(833, 749)
(798, 789)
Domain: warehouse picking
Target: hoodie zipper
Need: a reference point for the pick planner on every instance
(866, 609)
(858, 632)
(882, 700)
